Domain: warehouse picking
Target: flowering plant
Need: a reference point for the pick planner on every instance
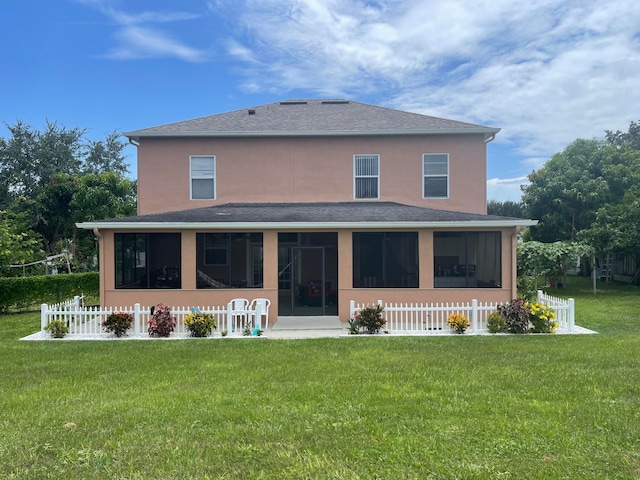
(118, 323)
(458, 322)
(162, 322)
(199, 324)
(542, 318)
(369, 318)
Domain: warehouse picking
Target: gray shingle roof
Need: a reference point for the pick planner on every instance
(326, 213)
(313, 117)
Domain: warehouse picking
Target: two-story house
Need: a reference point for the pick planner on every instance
(310, 203)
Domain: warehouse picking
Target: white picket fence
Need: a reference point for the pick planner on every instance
(565, 310)
(418, 318)
(87, 321)
(431, 318)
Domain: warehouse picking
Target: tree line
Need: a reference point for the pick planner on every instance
(49, 180)
(589, 193)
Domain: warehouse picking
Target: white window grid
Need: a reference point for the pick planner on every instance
(366, 167)
(435, 165)
(202, 167)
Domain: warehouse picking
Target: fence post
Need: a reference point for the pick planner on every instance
(572, 314)
(352, 308)
(229, 318)
(474, 315)
(43, 316)
(258, 314)
(136, 319)
(539, 299)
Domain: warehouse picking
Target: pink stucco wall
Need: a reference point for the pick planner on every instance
(309, 169)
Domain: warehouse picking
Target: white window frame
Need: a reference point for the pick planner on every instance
(356, 176)
(425, 175)
(212, 177)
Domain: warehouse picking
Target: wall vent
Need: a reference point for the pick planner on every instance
(335, 102)
(252, 111)
(294, 102)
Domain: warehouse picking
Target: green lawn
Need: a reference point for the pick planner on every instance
(468, 407)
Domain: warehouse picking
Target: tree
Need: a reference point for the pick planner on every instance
(18, 244)
(69, 199)
(506, 209)
(567, 191)
(616, 228)
(106, 155)
(98, 197)
(30, 158)
(590, 192)
(629, 140)
(51, 214)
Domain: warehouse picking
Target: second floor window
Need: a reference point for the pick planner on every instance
(366, 176)
(203, 177)
(435, 174)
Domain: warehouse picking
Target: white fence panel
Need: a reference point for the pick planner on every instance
(565, 309)
(430, 318)
(87, 321)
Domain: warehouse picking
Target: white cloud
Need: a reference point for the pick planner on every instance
(545, 71)
(136, 40)
(503, 189)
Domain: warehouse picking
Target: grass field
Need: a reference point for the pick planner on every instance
(476, 407)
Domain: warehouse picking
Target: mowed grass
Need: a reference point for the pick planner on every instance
(490, 407)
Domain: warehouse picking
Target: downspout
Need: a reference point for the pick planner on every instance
(487, 139)
(136, 144)
(96, 232)
(514, 260)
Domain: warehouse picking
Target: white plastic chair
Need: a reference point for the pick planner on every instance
(264, 310)
(239, 311)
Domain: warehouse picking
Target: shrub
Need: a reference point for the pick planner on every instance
(496, 323)
(458, 322)
(118, 323)
(57, 328)
(199, 324)
(542, 318)
(162, 322)
(516, 314)
(22, 292)
(369, 318)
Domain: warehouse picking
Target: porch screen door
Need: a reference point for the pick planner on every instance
(307, 281)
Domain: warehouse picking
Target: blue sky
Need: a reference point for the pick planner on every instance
(545, 71)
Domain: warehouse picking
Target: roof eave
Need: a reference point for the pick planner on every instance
(301, 225)
(314, 133)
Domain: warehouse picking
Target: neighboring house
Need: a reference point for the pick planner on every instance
(310, 203)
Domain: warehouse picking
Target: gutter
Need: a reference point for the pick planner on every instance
(490, 137)
(302, 225)
(136, 135)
